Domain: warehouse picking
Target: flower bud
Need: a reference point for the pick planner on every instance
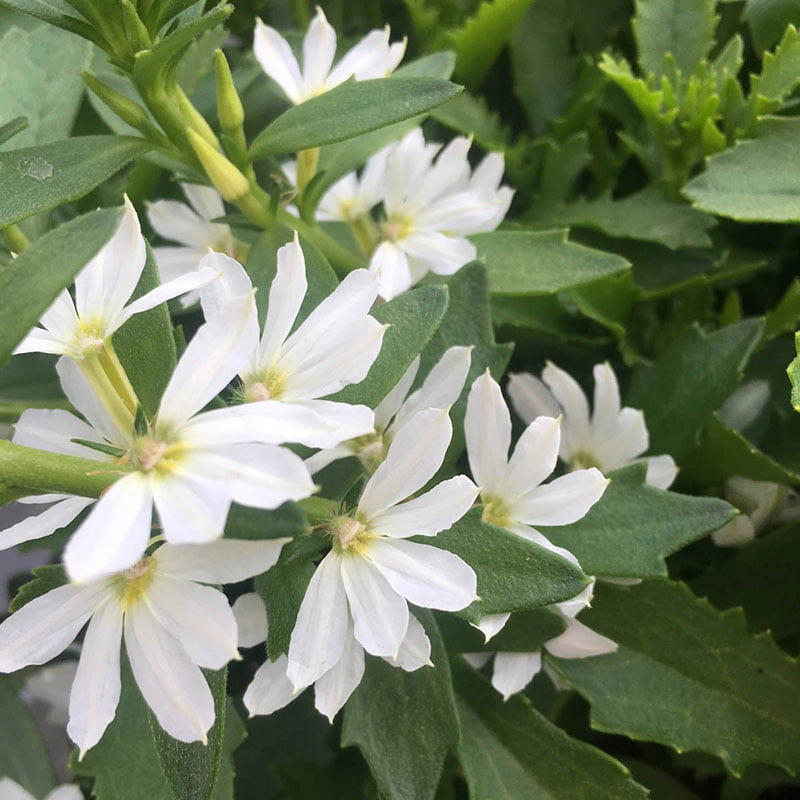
(195, 119)
(125, 108)
(229, 107)
(227, 179)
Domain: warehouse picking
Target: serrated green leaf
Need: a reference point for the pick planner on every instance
(349, 110)
(768, 19)
(470, 115)
(23, 755)
(689, 381)
(509, 751)
(633, 527)
(684, 28)
(758, 180)
(793, 371)
(36, 179)
(513, 573)
(524, 632)
(413, 318)
(416, 710)
(33, 280)
(780, 70)
(648, 215)
(688, 676)
(540, 262)
(480, 39)
(145, 344)
(46, 578)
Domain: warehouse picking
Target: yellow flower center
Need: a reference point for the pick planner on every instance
(132, 584)
(399, 228)
(153, 454)
(496, 512)
(349, 535)
(583, 460)
(268, 386)
(370, 450)
(89, 339)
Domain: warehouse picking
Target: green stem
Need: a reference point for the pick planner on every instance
(41, 471)
(16, 239)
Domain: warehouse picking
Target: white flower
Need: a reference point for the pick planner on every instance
(614, 437)
(372, 57)
(11, 790)
(334, 346)
(172, 626)
(441, 388)
(358, 597)
(761, 503)
(431, 208)
(351, 197)
(193, 229)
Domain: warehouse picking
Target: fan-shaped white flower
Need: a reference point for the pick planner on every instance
(11, 790)
(358, 597)
(352, 197)
(334, 346)
(172, 626)
(612, 438)
(440, 389)
(192, 227)
(372, 57)
(431, 207)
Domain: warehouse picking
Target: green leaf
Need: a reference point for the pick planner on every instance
(33, 280)
(648, 215)
(245, 522)
(540, 262)
(684, 28)
(12, 128)
(524, 632)
(780, 70)
(145, 344)
(480, 39)
(36, 179)
(768, 19)
(46, 578)
(404, 722)
(634, 526)
(688, 676)
(509, 751)
(758, 180)
(689, 381)
(513, 573)
(56, 13)
(786, 315)
(793, 371)
(23, 755)
(413, 317)
(349, 110)
(191, 769)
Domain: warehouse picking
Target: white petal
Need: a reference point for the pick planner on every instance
(575, 434)
(278, 61)
(170, 683)
(574, 605)
(606, 401)
(450, 173)
(65, 792)
(514, 671)
(380, 615)
(442, 387)
(61, 319)
(531, 398)
(661, 471)
(172, 262)
(114, 535)
(320, 631)
(333, 689)
(562, 501)
(44, 627)
(177, 222)
(462, 213)
(285, 298)
(492, 624)
(429, 513)
(534, 458)
(106, 283)
(440, 253)
(390, 264)
(344, 421)
(739, 531)
(39, 525)
(224, 561)
(416, 452)
(42, 341)
(628, 440)
(578, 641)
(321, 460)
(488, 174)
(319, 48)
(232, 282)
(216, 353)
(370, 58)
(424, 575)
(415, 651)
(53, 429)
(526, 532)
(251, 619)
(391, 404)
(11, 790)
(95, 690)
(205, 200)
(477, 660)
(270, 689)
(199, 617)
(190, 510)
(487, 426)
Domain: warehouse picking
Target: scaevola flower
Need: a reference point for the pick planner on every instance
(440, 389)
(11, 790)
(372, 57)
(358, 597)
(613, 437)
(172, 626)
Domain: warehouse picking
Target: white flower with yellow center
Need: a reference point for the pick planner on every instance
(11, 790)
(440, 389)
(190, 226)
(358, 597)
(171, 624)
(372, 57)
(612, 438)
